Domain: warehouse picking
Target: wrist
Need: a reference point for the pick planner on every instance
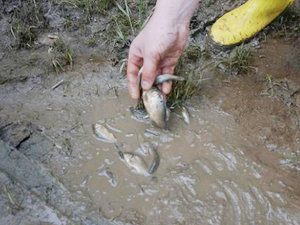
(175, 11)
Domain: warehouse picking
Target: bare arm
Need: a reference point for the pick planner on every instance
(160, 44)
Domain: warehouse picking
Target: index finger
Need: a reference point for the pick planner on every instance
(133, 67)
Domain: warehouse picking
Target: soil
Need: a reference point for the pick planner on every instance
(237, 162)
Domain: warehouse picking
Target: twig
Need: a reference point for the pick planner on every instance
(56, 85)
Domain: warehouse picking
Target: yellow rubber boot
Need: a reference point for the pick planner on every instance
(247, 20)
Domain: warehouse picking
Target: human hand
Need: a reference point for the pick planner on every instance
(158, 46)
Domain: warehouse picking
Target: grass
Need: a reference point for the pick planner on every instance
(27, 20)
(61, 56)
(11, 199)
(287, 25)
(239, 60)
(182, 90)
(269, 82)
(126, 21)
(142, 12)
(90, 7)
(127, 14)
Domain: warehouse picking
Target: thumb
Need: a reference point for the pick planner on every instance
(150, 68)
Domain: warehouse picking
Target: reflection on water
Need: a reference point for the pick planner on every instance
(206, 175)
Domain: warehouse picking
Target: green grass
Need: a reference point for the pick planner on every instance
(182, 90)
(287, 25)
(61, 56)
(13, 202)
(90, 7)
(27, 20)
(239, 60)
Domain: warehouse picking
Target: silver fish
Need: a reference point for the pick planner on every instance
(155, 161)
(136, 163)
(185, 115)
(101, 133)
(156, 106)
(154, 100)
(112, 178)
(139, 114)
(166, 77)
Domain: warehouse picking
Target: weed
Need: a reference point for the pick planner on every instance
(287, 25)
(67, 144)
(127, 13)
(186, 67)
(91, 7)
(239, 59)
(27, 19)
(92, 40)
(125, 22)
(142, 9)
(69, 24)
(191, 54)
(181, 91)
(57, 66)
(11, 199)
(61, 55)
(118, 30)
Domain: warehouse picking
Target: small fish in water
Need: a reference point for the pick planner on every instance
(185, 115)
(138, 164)
(155, 161)
(135, 162)
(101, 133)
(154, 100)
(112, 178)
(85, 181)
(139, 114)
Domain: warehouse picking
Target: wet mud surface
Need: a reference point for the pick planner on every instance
(237, 162)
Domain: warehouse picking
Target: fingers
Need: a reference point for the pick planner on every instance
(150, 67)
(167, 86)
(133, 66)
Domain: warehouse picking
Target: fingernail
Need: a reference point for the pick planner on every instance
(146, 84)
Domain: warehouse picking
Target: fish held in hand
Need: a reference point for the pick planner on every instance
(156, 106)
(154, 100)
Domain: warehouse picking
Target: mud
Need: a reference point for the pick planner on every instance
(236, 162)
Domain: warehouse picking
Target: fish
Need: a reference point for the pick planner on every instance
(154, 100)
(156, 106)
(155, 161)
(101, 133)
(167, 77)
(135, 162)
(185, 115)
(112, 178)
(139, 114)
(138, 164)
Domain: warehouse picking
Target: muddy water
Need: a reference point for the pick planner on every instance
(229, 166)
(205, 176)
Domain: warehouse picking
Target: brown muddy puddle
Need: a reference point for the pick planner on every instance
(230, 165)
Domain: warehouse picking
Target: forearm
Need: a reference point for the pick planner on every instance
(176, 11)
